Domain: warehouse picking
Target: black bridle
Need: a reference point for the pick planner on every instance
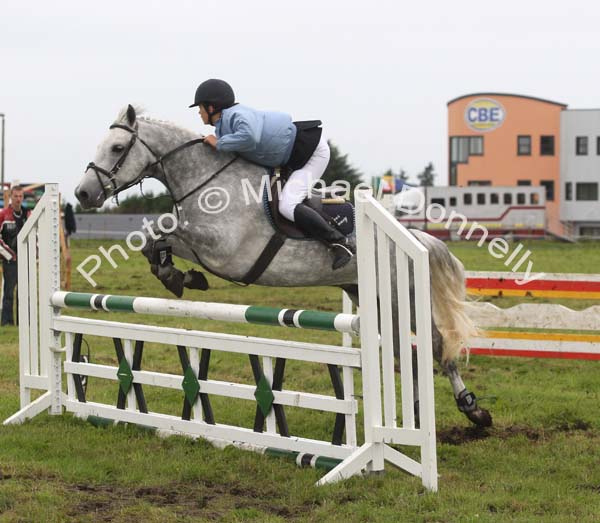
(112, 174)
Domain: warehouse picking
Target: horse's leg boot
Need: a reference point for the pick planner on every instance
(195, 280)
(311, 223)
(467, 404)
(162, 267)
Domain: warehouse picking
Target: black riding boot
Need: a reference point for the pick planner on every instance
(315, 226)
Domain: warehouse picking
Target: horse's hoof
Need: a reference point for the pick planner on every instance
(467, 404)
(195, 280)
(481, 417)
(174, 285)
(172, 279)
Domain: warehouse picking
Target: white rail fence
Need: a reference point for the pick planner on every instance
(46, 334)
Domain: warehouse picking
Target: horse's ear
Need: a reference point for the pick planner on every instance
(131, 115)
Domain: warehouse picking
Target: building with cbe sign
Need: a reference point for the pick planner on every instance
(511, 140)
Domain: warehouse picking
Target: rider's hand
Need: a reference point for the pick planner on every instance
(211, 140)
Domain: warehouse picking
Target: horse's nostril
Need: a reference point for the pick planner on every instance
(83, 195)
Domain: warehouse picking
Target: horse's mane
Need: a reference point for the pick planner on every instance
(164, 123)
(140, 114)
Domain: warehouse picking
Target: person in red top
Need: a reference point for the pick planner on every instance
(12, 219)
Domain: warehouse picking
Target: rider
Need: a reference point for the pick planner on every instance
(271, 139)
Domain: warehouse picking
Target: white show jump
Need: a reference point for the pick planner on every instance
(45, 334)
(536, 330)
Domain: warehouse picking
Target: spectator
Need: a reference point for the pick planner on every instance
(12, 219)
(70, 223)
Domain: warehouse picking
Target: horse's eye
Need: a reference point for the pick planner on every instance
(118, 148)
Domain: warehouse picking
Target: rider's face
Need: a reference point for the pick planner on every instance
(203, 114)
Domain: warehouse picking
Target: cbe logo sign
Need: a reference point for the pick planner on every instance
(484, 114)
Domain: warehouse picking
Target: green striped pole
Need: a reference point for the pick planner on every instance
(301, 319)
(302, 459)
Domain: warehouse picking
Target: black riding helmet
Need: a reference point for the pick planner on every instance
(217, 93)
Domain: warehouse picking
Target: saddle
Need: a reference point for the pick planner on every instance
(327, 201)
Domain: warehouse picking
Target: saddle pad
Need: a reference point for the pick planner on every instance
(341, 211)
(342, 214)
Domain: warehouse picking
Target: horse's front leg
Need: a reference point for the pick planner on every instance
(159, 250)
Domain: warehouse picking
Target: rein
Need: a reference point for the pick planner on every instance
(159, 160)
(112, 174)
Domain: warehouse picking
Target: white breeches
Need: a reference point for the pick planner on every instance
(301, 181)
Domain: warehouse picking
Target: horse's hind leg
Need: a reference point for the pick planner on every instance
(466, 400)
(437, 345)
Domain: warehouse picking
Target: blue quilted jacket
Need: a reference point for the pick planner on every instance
(262, 137)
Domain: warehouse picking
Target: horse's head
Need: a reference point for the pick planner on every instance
(120, 162)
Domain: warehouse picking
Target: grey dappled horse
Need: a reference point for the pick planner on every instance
(228, 243)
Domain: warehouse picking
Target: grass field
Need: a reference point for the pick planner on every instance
(540, 462)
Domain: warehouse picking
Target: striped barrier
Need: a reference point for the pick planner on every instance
(301, 319)
(46, 334)
(555, 285)
(538, 345)
(533, 330)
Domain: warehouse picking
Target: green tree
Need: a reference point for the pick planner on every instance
(80, 210)
(339, 168)
(137, 204)
(426, 177)
(147, 203)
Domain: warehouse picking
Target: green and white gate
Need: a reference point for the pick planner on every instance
(47, 336)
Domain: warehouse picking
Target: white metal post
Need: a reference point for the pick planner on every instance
(404, 337)
(425, 371)
(369, 335)
(386, 325)
(41, 370)
(25, 305)
(348, 377)
(347, 308)
(51, 350)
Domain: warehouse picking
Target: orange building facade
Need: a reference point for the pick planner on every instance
(507, 140)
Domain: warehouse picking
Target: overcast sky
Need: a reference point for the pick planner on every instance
(378, 73)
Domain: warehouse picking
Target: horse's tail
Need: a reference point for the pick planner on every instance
(448, 297)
